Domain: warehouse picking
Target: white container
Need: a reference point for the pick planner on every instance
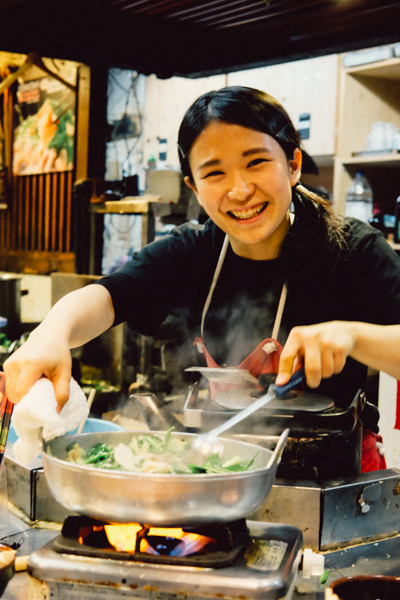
(359, 199)
(377, 137)
(165, 183)
(370, 55)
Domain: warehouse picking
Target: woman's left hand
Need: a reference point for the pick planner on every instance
(321, 348)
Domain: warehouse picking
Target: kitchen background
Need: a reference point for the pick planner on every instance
(142, 110)
(335, 100)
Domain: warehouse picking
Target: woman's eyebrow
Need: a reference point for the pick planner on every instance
(209, 163)
(256, 151)
(216, 161)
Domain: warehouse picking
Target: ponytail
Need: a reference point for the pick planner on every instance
(316, 237)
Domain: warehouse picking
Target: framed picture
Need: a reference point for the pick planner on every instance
(45, 132)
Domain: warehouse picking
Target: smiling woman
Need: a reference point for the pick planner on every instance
(275, 278)
(243, 180)
(240, 154)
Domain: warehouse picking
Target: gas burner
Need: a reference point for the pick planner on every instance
(214, 545)
(266, 569)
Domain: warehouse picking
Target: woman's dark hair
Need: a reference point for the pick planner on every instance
(315, 220)
(239, 106)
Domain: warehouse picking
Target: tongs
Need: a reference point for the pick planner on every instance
(207, 443)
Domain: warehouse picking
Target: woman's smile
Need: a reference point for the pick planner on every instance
(243, 180)
(248, 213)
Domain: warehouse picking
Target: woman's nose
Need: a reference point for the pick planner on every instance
(241, 190)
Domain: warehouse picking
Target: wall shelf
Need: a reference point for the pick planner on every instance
(367, 93)
(377, 160)
(384, 69)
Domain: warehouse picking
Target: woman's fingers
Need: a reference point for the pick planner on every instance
(27, 365)
(323, 349)
(20, 376)
(61, 383)
(27, 376)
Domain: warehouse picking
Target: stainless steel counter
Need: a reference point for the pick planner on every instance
(375, 558)
(29, 539)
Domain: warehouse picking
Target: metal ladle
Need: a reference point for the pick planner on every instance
(207, 443)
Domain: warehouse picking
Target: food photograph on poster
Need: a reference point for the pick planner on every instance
(44, 136)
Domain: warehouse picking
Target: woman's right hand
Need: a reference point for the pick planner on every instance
(39, 357)
(77, 318)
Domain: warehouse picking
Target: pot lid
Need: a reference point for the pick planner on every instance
(307, 401)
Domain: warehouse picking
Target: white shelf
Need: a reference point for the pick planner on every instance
(378, 160)
(384, 69)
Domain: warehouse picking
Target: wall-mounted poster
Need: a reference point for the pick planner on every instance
(44, 136)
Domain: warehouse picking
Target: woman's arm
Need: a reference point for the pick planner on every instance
(323, 348)
(76, 319)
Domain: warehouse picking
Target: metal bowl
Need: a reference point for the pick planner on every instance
(367, 587)
(155, 499)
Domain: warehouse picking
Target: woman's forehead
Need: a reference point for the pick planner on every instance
(219, 136)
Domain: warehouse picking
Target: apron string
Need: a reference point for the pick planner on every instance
(279, 312)
(281, 305)
(282, 300)
(214, 282)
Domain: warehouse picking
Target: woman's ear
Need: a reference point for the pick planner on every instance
(191, 185)
(295, 167)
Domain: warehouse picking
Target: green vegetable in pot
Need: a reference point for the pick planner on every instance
(152, 454)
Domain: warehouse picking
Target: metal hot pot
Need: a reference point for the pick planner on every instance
(159, 499)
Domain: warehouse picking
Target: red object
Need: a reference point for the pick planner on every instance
(397, 423)
(371, 459)
(264, 359)
(6, 408)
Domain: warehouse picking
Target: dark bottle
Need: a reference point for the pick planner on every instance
(377, 221)
(397, 222)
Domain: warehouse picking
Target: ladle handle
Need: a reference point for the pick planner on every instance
(274, 391)
(281, 390)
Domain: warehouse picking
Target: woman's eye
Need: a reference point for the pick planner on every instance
(256, 162)
(213, 174)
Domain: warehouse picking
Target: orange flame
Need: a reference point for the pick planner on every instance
(124, 538)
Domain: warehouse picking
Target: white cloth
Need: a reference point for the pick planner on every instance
(37, 410)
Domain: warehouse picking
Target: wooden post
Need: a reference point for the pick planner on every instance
(82, 122)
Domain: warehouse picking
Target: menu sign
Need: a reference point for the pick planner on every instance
(44, 136)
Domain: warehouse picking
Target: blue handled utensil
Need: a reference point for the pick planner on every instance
(207, 443)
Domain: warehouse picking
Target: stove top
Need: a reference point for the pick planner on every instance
(322, 445)
(213, 545)
(265, 569)
(307, 414)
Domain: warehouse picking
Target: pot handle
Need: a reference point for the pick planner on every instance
(277, 455)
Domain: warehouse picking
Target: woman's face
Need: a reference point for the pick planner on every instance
(243, 181)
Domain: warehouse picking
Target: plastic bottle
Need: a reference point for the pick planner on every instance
(151, 166)
(162, 153)
(359, 199)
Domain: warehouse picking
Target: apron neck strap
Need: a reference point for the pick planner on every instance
(279, 312)
(214, 282)
(281, 305)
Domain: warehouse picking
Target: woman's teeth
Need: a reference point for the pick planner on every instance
(243, 215)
